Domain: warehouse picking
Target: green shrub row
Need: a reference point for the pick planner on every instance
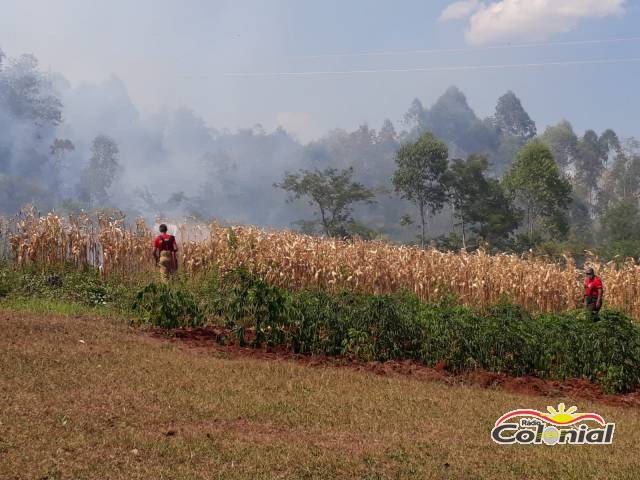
(503, 338)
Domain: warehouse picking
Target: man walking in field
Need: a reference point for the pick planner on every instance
(165, 251)
(593, 292)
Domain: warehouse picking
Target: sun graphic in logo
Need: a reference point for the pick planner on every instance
(561, 416)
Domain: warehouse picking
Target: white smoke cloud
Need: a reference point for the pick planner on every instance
(527, 20)
(300, 124)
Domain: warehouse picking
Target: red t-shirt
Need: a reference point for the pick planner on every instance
(165, 243)
(591, 287)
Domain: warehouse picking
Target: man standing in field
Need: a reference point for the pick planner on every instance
(593, 291)
(165, 251)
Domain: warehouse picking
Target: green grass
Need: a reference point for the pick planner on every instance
(90, 397)
(51, 306)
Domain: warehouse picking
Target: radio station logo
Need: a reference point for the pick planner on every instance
(559, 426)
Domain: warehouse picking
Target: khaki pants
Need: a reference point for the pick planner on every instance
(165, 265)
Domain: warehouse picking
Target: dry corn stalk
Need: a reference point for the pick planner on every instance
(297, 261)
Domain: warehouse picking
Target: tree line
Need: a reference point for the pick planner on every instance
(472, 182)
(558, 193)
(488, 211)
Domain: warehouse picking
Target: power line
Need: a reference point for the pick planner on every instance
(434, 69)
(471, 49)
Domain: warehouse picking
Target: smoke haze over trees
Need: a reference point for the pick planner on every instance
(88, 147)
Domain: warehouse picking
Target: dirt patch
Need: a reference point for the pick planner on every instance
(219, 340)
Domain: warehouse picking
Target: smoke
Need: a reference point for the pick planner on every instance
(172, 163)
(29, 115)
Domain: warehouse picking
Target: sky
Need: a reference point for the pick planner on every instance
(241, 62)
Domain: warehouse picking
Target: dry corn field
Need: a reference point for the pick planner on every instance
(297, 261)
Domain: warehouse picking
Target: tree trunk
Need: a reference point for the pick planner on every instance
(464, 237)
(324, 222)
(422, 221)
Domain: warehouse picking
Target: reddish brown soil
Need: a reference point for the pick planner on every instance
(208, 339)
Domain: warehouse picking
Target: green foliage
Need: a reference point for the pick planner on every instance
(162, 306)
(621, 221)
(605, 350)
(87, 288)
(507, 339)
(480, 204)
(248, 300)
(52, 306)
(592, 156)
(511, 119)
(537, 184)
(29, 105)
(502, 338)
(563, 143)
(452, 119)
(364, 326)
(357, 345)
(421, 176)
(620, 230)
(320, 322)
(7, 281)
(621, 181)
(100, 172)
(206, 288)
(332, 192)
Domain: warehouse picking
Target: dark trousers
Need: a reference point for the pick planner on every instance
(591, 305)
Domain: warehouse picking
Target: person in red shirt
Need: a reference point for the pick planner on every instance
(165, 251)
(593, 291)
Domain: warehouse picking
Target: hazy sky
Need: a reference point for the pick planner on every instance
(180, 53)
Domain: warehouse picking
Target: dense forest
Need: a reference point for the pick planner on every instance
(441, 176)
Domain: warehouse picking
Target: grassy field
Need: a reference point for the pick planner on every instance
(89, 397)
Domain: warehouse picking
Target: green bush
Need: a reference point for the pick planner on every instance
(162, 306)
(85, 287)
(507, 339)
(8, 280)
(207, 289)
(317, 321)
(247, 299)
(342, 323)
(500, 339)
(605, 350)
